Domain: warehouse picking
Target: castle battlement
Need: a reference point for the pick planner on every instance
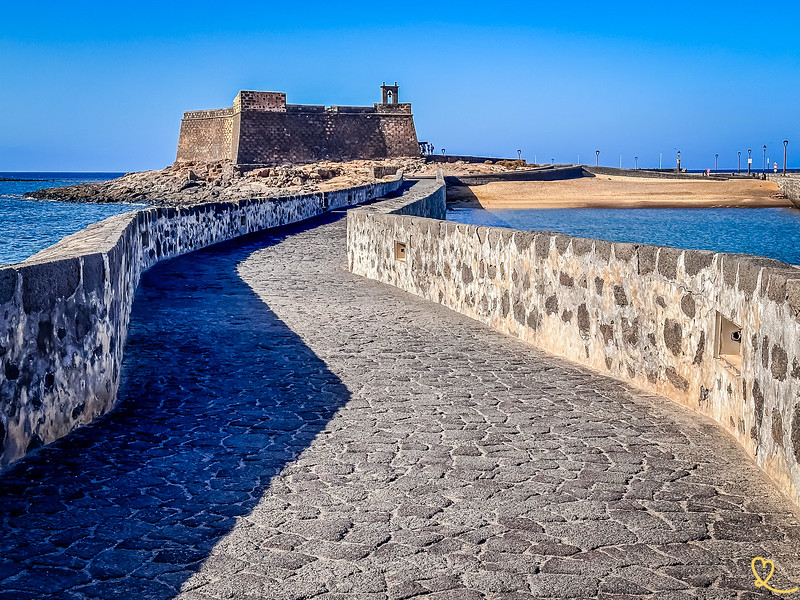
(262, 129)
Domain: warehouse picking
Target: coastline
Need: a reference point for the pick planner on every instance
(614, 191)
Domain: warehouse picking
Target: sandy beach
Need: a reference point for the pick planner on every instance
(613, 191)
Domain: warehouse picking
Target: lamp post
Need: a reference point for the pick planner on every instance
(764, 165)
(739, 163)
(716, 159)
(749, 160)
(659, 161)
(635, 163)
(552, 161)
(442, 151)
(679, 162)
(785, 143)
(519, 154)
(597, 158)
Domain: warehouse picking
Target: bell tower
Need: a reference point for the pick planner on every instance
(389, 93)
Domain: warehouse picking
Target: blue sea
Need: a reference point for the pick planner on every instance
(771, 232)
(27, 226)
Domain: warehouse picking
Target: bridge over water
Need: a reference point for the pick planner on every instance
(286, 429)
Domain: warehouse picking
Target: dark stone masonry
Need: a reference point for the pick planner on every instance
(262, 129)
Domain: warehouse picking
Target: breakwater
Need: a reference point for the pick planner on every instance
(719, 333)
(790, 186)
(64, 312)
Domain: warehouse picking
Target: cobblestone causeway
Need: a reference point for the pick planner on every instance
(289, 430)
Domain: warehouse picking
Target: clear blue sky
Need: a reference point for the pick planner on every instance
(102, 86)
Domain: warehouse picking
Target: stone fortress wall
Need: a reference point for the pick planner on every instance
(64, 312)
(262, 129)
(665, 319)
(789, 184)
(206, 135)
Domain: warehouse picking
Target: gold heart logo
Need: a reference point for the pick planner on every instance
(765, 565)
(761, 565)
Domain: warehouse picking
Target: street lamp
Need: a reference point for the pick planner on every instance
(749, 160)
(635, 163)
(679, 161)
(739, 163)
(659, 160)
(716, 158)
(597, 158)
(552, 161)
(442, 151)
(519, 154)
(785, 143)
(764, 165)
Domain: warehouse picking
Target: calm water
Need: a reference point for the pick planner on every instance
(27, 226)
(772, 232)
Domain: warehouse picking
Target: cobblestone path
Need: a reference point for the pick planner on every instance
(289, 430)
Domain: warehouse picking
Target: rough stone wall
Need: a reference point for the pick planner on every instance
(64, 312)
(650, 174)
(399, 134)
(389, 108)
(452, 158)
(644, 314)
(790, 186)
(301, 137)
(206, 136)
(264, 101)
(530, 174)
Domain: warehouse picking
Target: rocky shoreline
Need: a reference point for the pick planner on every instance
(183, 184)
(193, 183)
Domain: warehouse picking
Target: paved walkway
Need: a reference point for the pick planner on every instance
(288, 430)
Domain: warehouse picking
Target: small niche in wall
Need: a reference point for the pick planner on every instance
(728, 342)
(400, 251)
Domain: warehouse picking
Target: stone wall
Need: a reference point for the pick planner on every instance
(206, 136)
(261, 129)
(790, 186)
(64, 312)
(302, 137)
(262, 101)
(547, 173)
(650, 173)
(653, 316)
(452, 158)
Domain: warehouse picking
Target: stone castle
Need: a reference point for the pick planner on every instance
(262, 129)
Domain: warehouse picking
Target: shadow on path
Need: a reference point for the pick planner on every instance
(217, 396)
